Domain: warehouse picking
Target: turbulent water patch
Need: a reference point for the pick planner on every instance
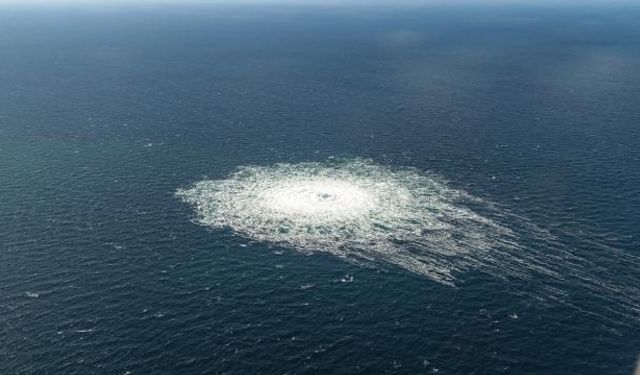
(356, 210)
(372, 214)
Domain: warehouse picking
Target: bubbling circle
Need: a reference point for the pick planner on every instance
(371, 215)
(356, 210)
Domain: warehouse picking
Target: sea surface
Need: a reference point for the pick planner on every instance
(106, 112)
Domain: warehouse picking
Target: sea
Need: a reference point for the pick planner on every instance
(107, 111)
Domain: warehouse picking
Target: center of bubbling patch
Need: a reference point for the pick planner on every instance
(323, 198)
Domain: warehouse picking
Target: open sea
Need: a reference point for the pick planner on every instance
(111, 115)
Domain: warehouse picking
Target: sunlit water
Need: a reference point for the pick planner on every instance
(447, 189)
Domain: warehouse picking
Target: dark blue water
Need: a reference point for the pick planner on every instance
(105, 112)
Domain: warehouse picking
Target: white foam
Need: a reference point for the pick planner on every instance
(356, 210)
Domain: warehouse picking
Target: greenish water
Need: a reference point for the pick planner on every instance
(106, 113)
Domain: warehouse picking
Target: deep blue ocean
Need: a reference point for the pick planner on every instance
(106, 111)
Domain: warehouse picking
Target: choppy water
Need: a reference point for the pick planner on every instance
(448, 190)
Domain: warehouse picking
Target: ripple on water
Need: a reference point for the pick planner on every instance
(371, 214)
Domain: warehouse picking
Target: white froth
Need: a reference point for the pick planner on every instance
(356, 210)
